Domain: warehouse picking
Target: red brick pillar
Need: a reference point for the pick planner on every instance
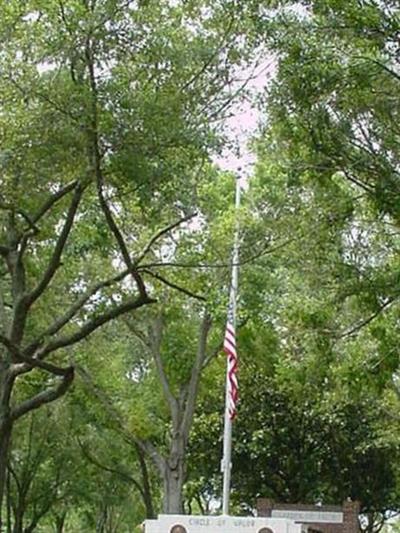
(351, 510)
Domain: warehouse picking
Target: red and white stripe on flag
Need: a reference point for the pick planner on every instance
(232, 382)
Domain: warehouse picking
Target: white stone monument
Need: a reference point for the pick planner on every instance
(221, 524)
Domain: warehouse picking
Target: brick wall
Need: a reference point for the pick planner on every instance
(349, 509)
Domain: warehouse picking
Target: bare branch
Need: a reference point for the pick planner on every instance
(196, 374)
(64, 111)
(91, 325)
(24, 215)
(229, 264)
(160, 233)
(53, 199)
(14, 475)
(217, 350)
(380, 65)
(3, 315)
(54, 262)
(118, 235)
(130, 438)
(174, 286)
(30, 362)
(355, 329)
(60, 322)
(47, 205)
(228, 101)
(212, 58)
(155, 339)
(44, 397)
(365, 187)
(5, 341)
(98, 172)
(112, 470)
(137, 332)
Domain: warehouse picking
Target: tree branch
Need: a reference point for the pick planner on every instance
(160, 233)
(224, 42)
(174, 286)
(363, 323)
(144, 445)
(119, 238)
(155, 348)
(381, 65)
(92, 325)
(3, 315)
(19, 211)
(54, 262)
(365, 187)
(53, 199)
(123, 475)
(229, 264)
(60, 322)
(96, 162)
(195, 375)
(30, 362)
(44, 397)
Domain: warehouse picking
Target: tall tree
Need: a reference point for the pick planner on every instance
(317, 355)
(107, 115)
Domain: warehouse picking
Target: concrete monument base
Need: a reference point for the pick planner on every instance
(221, 524)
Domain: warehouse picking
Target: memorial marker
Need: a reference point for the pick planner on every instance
(221, 524)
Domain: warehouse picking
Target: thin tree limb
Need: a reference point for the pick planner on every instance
(144, 445)
(54, 262)
(174, 285)
(43, 397)
(363, 323)
(357, 182)
(197, 367)
(245, 261)
(92, 325)
(160, 233)
(96, 162)
(381, 65)
(19, 211)
(155, 338)
(60, 322)
(30, 362)
(112, 470)
(53, 199)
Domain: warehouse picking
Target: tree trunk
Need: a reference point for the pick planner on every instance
(60, 521)
(173, 485)
(5, 439)
(173, 468)
(19, 513)
(174, 477)
(18, 522)
(147, 496)
(8, 503)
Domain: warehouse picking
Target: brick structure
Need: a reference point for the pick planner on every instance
(336, 518)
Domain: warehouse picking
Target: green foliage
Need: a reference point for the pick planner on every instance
(318, 324)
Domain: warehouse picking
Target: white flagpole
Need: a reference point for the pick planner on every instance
(226, 465)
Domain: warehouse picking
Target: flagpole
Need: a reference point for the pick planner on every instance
(226, 464)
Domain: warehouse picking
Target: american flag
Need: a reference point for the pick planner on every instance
(230, 350)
